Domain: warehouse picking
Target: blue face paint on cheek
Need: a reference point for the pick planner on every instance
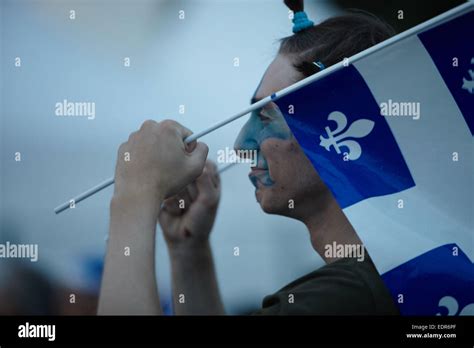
(275, 125)
(271, 124)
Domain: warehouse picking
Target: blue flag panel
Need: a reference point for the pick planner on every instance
(439, 282)
(451, 47)
(337, 122)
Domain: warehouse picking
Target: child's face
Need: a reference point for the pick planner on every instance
(283, 172)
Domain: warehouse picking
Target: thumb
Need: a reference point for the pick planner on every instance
(198, 158)
(165, 218)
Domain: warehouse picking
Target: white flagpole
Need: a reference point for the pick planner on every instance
(415, 30)
(103, 185)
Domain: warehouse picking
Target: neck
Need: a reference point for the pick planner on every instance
(328, 225)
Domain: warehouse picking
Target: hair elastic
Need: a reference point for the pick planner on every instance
(319, 65)
(301, 21)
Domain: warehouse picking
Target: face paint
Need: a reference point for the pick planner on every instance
(265, 123)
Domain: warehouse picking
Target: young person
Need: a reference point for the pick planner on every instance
(283, 172)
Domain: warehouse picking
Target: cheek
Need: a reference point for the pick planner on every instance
(281, 156)
(287, 163)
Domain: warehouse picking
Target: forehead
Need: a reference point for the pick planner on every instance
(279, 74)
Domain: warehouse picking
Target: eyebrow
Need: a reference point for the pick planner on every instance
(254, 100)
(307, 69)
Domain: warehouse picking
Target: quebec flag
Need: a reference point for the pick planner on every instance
(391, 135)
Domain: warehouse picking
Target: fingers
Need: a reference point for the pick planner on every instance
(121, 150)
(172, 127)
(205, 190)
(210, 170)
(179, 204)
(199, 154)
(148, 124)
(208, 185)
(197, 150)
(162, 160)
(172, 206)
(192, 191)
(197, 159)
(180, 130)
(166, 219)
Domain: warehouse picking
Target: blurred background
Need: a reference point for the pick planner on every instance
(181, 53)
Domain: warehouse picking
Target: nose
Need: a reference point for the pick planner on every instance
(246, 139)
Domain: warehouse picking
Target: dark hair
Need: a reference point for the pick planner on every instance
(335, 39)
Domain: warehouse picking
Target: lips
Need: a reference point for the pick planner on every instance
(260, 177)
(256, 175)
(258, 171)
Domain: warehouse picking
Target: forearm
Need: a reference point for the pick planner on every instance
(195, 288)
(129, 281)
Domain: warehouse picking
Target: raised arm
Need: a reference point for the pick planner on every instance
(187, 220)
(153, 164)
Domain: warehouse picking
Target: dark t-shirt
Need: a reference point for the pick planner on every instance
(344, 287)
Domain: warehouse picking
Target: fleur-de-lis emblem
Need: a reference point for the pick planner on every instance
(451, 304)
(358, 129)
(469, 84)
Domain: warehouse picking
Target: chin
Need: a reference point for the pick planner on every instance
(270, 203)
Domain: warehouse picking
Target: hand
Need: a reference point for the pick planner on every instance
(188, 217)
(155, 162)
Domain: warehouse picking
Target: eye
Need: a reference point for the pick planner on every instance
(263, 117)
